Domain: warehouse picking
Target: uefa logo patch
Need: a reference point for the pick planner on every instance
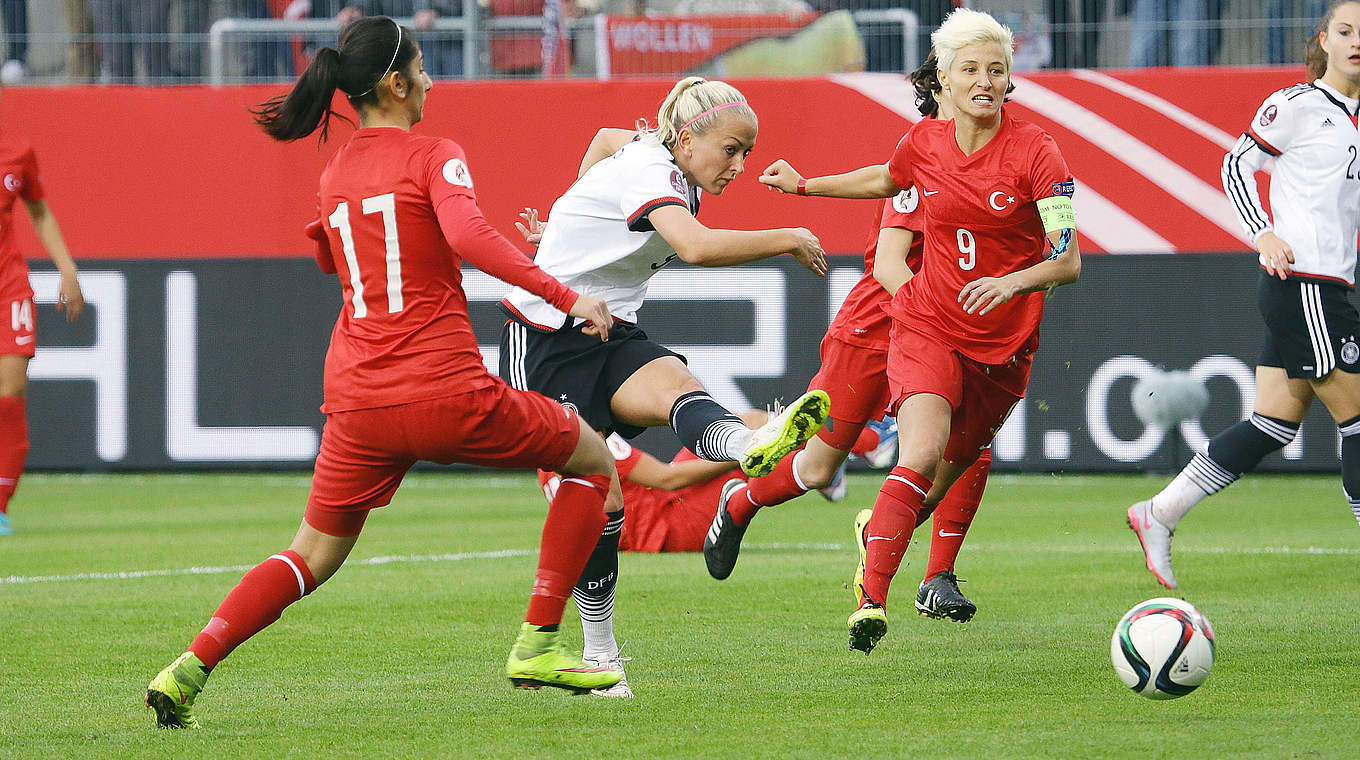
(13, 183)
(1350, 353)
(678, 181)
(456, 173)
(1268, 115)
(905, 202)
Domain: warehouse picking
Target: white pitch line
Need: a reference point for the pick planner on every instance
(777, 546)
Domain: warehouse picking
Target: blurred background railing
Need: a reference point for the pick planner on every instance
(234, 41)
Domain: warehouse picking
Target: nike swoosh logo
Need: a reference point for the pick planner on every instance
(24, 340)
(929, 192)
(871, 539)
(943, 534)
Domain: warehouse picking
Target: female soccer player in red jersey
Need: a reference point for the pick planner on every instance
(19, 171)
(853, 372)
(998, 232)
(404, 380)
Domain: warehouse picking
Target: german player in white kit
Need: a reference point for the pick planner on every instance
(625, 218)
(1307, 248)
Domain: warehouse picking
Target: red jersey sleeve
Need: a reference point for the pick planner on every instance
(900, 211)
(1048, 172)
(473, 238)
(625, 456)
(446, 173)
(31, 188)
(316, 230)
(903, 159)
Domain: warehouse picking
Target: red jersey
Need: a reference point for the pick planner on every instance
(862, 319)
(980, 221)
(385, 222)
(19, 171)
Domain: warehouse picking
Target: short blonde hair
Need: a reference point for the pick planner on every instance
(964, 27)
(690, 98)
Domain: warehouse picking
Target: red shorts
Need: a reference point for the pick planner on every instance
(18, 326)
(981, 395)
(855, 379)
(366, 452)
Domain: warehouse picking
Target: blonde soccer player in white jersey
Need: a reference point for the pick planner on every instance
(1307, 248)
(625, 218)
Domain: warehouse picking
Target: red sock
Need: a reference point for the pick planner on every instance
(776, 488)
(256, 602)
(889, 530)
(954, 514)
(866, 442)
(13, 446)
(575, 519)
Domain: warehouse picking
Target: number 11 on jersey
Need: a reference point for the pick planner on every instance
(386, 205)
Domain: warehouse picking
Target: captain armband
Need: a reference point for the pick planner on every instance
(1057, 215)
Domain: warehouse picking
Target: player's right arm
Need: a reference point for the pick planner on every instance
(890, 259)
(703, 246)
(651, 472)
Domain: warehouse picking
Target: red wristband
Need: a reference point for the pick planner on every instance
(802, 187)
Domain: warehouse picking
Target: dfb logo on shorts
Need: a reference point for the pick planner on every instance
(572, 409)
(1350, 352)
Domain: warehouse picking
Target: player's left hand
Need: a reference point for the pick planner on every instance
(69, 298)
(985, 294)
(531, 228)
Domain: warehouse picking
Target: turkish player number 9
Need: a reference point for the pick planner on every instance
(967, 247)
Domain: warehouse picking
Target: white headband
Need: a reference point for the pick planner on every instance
(389, 63)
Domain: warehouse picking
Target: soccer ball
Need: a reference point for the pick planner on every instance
(1163, 648)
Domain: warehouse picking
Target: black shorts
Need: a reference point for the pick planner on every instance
(576, 369)
(1311, 327)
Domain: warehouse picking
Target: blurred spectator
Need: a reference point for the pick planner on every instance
(82, 60)
(523, 53)
(1284, 41)
(187, 21)
(443, 50)
(14, 15)
(1076, 36)
(270, 57)
(1174, 32)
(883, 43)
(129, 31)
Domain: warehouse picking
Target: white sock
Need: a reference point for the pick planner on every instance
(599, 639)
(1201, 477)
(725, 440)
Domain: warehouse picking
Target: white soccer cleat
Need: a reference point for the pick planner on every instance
(1156, 540)
(884, 455)
(620, 690)
(838, 488)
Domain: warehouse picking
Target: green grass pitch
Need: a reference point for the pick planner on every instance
(401, 655)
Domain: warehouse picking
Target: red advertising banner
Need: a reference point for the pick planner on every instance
(650, 44)
(181, 172)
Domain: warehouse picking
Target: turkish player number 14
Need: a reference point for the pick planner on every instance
(386, 205)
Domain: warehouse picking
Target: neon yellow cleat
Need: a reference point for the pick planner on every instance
(540, 659)
(171, 693)
(784, 432)
(861, 522)
(867, 625)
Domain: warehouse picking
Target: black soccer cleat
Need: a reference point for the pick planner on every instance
(940, 598)
(723, 542)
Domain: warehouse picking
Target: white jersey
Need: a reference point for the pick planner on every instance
(1313, 132)
(599, 241)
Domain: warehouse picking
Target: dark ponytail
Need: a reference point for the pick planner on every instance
(926, 81)
(369, 48)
